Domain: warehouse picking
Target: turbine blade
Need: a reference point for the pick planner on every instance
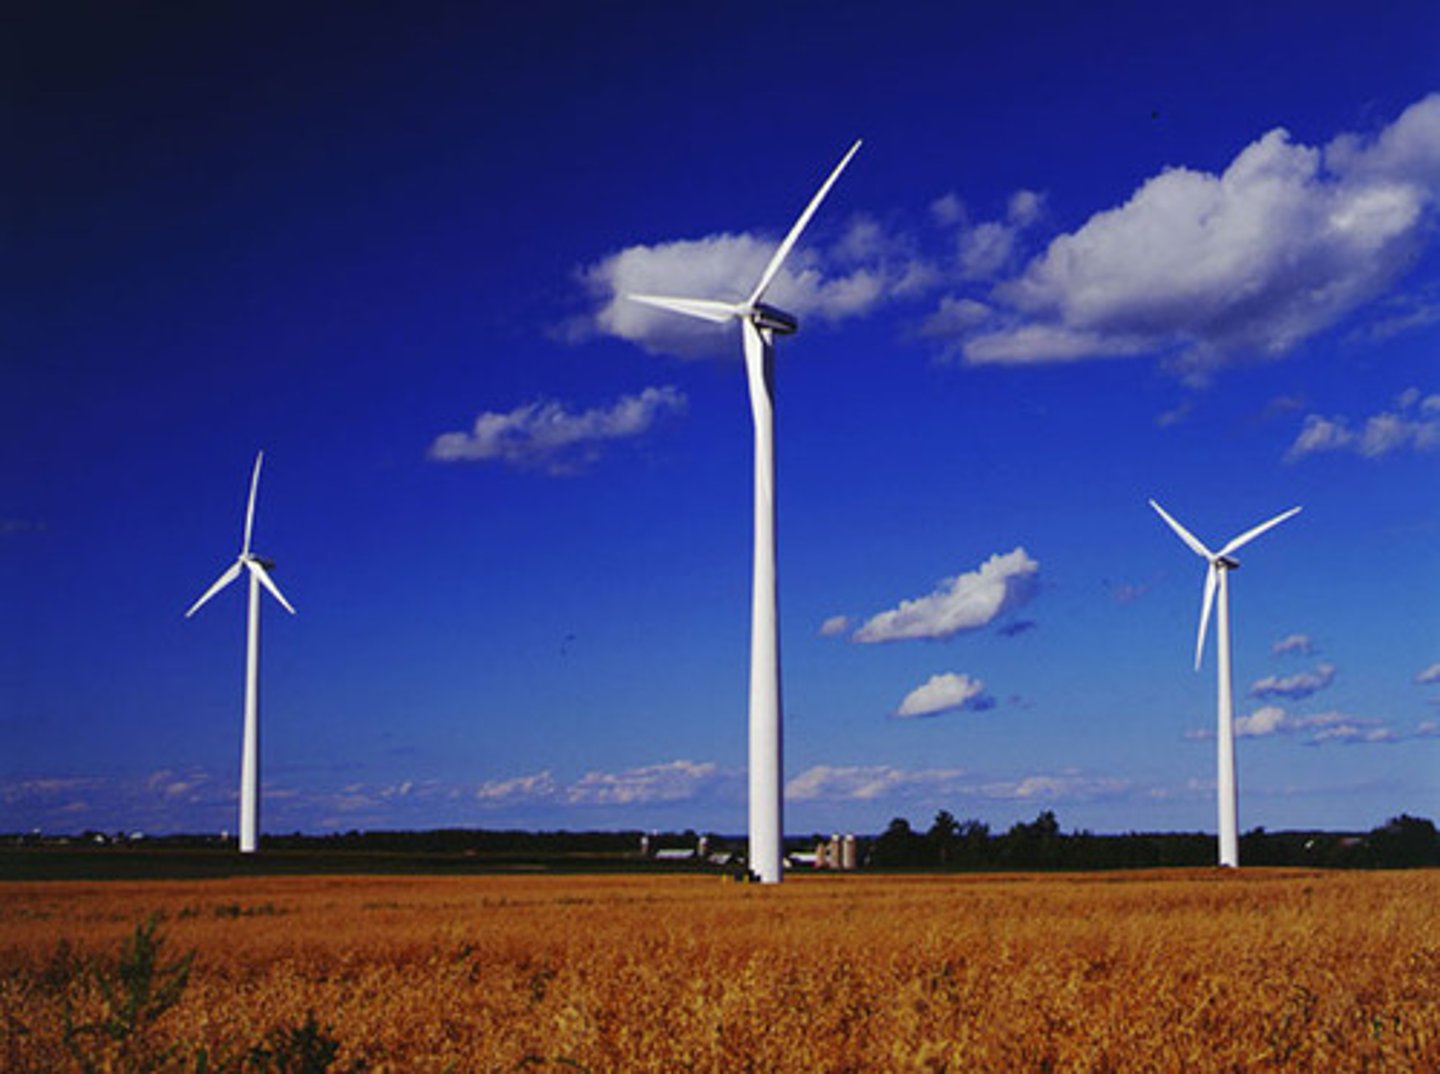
(1184, 534)
(704, 308)
(250, 506)
(1250, 535)
(231, 573)
(783, 251)
(1211, 577)
(264, 577)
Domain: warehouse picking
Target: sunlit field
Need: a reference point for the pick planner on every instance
(1193, 971)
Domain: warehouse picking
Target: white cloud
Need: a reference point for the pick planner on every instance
(1268, 720)
(834, 626)
(1066, 786)
(983, 249)
(954, 316)
(1301, 684)
(1357, 731)
(948, 209)
(986, 249)
(966, 602)
(1414, 423)
(547, 435)
(1318, 728)
(669, 782)
(942, 693)
(539, 786)
(169, 784)
(1024, 207)
(866, 783)
(863, 269)
(1429, 675)
(1294, 643)
(1288, 239)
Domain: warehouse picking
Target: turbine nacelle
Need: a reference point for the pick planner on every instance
(776, 320)
(1230, 563)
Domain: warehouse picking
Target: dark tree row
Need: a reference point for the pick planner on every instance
(1402, 842)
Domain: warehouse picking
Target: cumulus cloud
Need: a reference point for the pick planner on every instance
(1429, 675)
(944, 693)
(985, 249)
(1301, 684)
(863, 269)
(966, 602)
(547, 436)
(1299, 644)
(1413, 423)
(954, 316)
(1284, 242)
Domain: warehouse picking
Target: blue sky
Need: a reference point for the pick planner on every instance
(1085, 257)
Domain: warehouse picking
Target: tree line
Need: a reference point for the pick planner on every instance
(1402, 842)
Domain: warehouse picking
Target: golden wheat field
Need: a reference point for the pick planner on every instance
(1182, 971)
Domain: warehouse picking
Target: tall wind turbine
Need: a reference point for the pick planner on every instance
(1217, 578)
(250, 752)
(759, 325)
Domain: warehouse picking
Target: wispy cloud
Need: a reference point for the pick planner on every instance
(14, 527)
(537, 787)
(1279, 246)
(1299, 644)
(864, 783)
(546, 435)
(965, 602)
(835, 626)
(1126, 592)
(945, 692)
(1429, 675)
(1302, 684)
(1317, 729)
(672, 781)
(1413, 423)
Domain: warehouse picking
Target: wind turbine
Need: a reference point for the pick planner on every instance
(250, 751)
(1217, 579)
(759, 325)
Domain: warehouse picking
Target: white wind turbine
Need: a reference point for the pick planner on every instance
(250, 752)
(759, 325)
(1217, 578)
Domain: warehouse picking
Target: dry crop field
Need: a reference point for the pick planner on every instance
(1165, 971)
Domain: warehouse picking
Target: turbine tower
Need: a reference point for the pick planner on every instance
(1221, 563)
(250, 751)
(759, 325)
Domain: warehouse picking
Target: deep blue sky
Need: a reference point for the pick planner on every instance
(1086, 256)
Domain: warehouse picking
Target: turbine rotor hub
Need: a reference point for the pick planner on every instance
(1230, 563)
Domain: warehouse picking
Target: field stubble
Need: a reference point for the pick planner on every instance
(1194, 971)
